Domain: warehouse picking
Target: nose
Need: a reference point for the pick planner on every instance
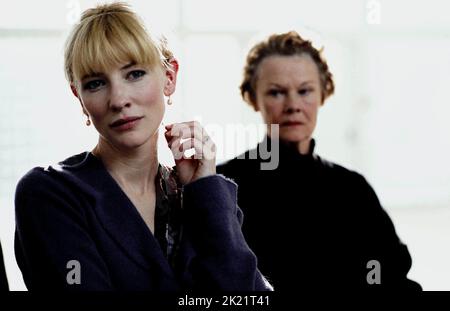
(293, 104)
(118, 98)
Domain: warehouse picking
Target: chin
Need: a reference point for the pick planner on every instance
(293, 137)
(132, 140)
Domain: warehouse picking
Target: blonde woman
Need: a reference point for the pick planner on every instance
(114, 218)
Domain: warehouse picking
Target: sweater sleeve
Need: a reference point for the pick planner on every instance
(385, 245)
(213, 224)
(52, 242)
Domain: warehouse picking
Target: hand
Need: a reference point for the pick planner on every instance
(203, 162)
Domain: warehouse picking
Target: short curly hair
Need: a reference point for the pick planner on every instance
(285, 44)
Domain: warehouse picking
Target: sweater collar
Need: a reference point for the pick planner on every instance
(118, 214)
(287, 150)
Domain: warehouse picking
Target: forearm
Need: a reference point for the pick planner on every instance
(225, 260)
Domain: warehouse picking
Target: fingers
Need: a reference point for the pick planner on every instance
(184, 130)
(190, 135)
(179, 149)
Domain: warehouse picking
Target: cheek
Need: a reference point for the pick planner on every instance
(312, 118)
(311, 108)
(150, 96)
(95, 107)
(272, 111)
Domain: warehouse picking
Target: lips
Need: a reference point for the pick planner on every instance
(123, 121)
(291, 123)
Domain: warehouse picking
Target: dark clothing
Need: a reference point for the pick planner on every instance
(316, 222)
(3, 279)
(77, 211)
(168, 218)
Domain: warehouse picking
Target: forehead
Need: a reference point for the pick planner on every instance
(294, 69)
(106, 44)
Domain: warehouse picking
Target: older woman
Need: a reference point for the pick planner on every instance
(115, 218)
(310, 222)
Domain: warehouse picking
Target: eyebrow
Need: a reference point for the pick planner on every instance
(128, 65)
(301, 84)
(97, 74)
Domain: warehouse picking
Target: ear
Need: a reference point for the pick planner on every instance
(74, 90)
(171, 77)
(255, 106)
(323, 98)
(248, 99)
(75, 93)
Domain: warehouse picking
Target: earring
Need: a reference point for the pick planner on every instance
(169, 101)
(88, 121)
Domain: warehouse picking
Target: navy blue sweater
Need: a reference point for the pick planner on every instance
(76, 211)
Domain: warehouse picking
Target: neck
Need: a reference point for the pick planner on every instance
(134, 169)
(303, 146)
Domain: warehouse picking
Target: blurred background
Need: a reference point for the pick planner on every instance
(388, 118)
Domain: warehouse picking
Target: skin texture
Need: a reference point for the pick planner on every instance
(130, 154)
(288, 93)
(134, 90)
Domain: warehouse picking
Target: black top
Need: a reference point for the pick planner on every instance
(168, 218)
(77, 230)
(316, 222)
(3, 279)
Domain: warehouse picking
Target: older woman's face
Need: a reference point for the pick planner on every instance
(288, 93)
(126, 105)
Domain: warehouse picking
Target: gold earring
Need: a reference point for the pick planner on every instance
(169, 101)
(88, 121)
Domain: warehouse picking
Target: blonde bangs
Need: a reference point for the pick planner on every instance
(104, 41)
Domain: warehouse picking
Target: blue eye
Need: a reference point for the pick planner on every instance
(93, 85)
(136, 74)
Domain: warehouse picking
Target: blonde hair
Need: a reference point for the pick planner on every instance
(107, 36)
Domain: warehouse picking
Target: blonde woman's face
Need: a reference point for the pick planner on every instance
(126, 104)
(288, 93)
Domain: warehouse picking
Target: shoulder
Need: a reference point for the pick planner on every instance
(245, 162)
(340, 172)
(52, 192)
(349, 181)
(51, 178)
(75, 161)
